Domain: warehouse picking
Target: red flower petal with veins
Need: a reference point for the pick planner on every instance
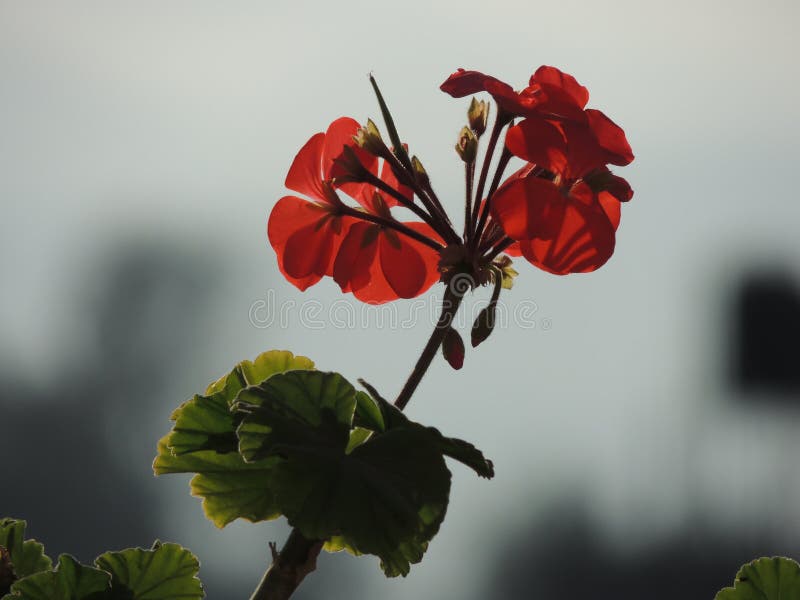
(305, 237)
(305, 175)
(585, 241)
(529, 208)
(558, 84)
(379, 265)
(539, 142)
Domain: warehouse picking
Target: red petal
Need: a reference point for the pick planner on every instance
(308, 250)
(353, 264)
(539, 142)
(559, 80)
(584, 153)
(612, 208)
(513, 250)
(584, 243)
(529, 208)
(611, 138)
(305, 237)
(304, 175)
(402, 265)
(378, 290)
(463, 83)
(367, 273)
(515, 104)
(340, 134)
(428, 255)
(289, 215)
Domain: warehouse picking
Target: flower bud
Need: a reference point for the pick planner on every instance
(467, 146)
(369, 138)
(478, 116)
(420, 174)
(484, 325)
(507, 272)
(453, 348)
(347, 167)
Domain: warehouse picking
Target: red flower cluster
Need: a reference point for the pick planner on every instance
(560, 210)
(324, 236)
(563, 207)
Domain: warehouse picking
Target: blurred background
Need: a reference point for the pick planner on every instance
(642, 419)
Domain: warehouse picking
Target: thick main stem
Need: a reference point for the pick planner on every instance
(298, 557)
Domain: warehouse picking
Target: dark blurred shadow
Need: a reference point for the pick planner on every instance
(564, 556)
(61, 470)
(766, 333)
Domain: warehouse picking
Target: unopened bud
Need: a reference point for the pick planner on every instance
(478, 116)
(507, 272)
(420, 174)
(369, 138)
(347, 167)
(467, 146)
(484, 325)
(453, 348)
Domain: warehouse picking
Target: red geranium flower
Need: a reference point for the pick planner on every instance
(323, 236)
(564, 206)
(306, 234)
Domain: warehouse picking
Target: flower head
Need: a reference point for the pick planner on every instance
(359, 247)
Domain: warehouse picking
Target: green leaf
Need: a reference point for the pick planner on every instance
(455, 448)
(774, 578)
(206, 423)
(387, 497)
(203, 441)
(368, 414)
(69, 581)
(293, 410)
(26, 557)
(229, 487)
(358, 436)
(166, 572)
